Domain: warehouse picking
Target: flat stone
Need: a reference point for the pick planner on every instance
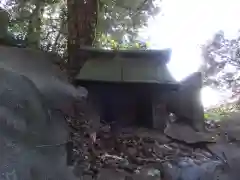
(187, 169)
(153, 134)
(109, 174)
(184, 132)
(229, 153)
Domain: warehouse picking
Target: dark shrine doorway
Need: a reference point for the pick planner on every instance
(143, 108)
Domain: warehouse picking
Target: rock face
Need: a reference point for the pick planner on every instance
(33, 132)
(19, 96)
(186, 103)
(37, 66)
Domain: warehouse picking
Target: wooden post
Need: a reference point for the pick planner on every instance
(160, 115)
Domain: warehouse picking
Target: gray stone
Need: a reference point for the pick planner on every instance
(184, 132)
(109, 174)
(230, 125)
(20, 98)
(186, 169)
(148, 174)
(37, 65)
(32, 143)
(186, 103)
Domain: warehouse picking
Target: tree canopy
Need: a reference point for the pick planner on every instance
(43, 23)
(221, 67)
(222, 64)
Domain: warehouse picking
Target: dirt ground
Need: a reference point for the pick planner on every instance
(140, 153)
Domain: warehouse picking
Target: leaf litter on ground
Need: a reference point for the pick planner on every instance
(130, 151)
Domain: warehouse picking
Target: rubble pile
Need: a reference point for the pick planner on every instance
(131, 151)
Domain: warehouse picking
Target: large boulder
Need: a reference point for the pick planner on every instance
(186, 103)
(39, 67)
(21, 97)
(32, 143)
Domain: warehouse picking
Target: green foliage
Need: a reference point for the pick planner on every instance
(212, 116)
(109, 43)
(43, 23)
(222, 63)
(124, 18)
(220, 111)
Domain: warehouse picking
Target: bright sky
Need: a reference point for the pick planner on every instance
(187, 24)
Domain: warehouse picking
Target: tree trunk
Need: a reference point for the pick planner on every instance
(82, 20)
